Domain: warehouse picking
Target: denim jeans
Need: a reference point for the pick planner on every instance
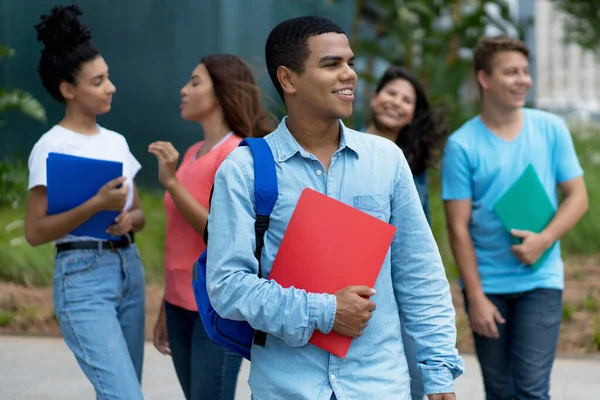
(99, 301)
(517, 366)
(205, 370)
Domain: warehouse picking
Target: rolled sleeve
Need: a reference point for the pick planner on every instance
(234, 288)
(323, 309)
(439, 380)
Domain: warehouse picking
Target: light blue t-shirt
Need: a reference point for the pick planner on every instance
(480, 166)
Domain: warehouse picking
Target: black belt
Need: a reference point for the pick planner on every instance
(124, 241)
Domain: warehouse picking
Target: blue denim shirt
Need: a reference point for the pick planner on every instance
(371, 174)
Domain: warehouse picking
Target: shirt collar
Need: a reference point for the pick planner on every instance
(286, 145)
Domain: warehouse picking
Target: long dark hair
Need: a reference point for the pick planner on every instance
(67, 46)
(422, 138)
(239, 95)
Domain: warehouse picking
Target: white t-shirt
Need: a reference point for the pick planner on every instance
(105, 145)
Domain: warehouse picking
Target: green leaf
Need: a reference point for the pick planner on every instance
(22, 101)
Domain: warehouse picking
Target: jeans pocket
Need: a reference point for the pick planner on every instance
(552, 309)
(76, 263)
(135, 251)
(377, 205)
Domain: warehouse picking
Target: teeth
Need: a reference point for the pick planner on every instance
(345, 91)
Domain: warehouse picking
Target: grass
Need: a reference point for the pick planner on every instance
(6, 318)
(438, 225)
(590, 303)
(582, 240)
(567, 312)
(33, 266)
(22, 264)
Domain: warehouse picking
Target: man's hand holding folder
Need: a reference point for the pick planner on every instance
(354, 310)
(532, 247)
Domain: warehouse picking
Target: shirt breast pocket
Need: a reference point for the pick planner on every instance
(377, 205)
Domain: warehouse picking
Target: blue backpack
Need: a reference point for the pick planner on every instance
(238, 336)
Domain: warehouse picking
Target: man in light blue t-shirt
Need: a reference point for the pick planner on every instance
(515, 311)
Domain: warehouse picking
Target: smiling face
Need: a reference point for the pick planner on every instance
(508, 81)
(394, 105)
(325, 88)
(92, 93)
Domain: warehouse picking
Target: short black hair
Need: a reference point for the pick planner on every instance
(67, 46)
(287, 44)
(422, 139)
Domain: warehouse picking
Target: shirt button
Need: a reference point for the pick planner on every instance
(319, 172)
(332, 376)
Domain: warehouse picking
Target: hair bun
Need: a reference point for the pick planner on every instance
(62, 28)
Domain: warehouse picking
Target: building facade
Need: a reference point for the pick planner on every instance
(567, 77)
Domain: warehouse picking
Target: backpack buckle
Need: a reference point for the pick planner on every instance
(260, 338)
(262, 223)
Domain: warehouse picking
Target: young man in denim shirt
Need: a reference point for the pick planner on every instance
(311, 65)
(515, 310)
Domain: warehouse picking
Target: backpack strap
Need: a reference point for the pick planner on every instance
(265, 190)
(265, 196)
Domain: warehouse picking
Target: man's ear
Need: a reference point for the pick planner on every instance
(483, 79)
(287, 79)
(67, 90)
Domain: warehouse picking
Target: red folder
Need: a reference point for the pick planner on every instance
(327, 246)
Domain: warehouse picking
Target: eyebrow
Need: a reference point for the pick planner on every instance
(99, 76)
(335, 58)
(194, 77)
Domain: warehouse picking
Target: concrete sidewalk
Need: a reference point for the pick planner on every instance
(44, 368)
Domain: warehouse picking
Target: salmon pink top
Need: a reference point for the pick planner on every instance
(183, 245)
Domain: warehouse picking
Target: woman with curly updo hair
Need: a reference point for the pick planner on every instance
(99, 283)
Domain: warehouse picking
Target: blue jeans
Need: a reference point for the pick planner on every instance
(204, 370)
(99, 301)
(517, 366)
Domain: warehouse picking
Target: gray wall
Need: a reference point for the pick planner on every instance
(151, 47)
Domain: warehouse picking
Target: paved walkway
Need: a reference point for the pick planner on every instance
(44, 368)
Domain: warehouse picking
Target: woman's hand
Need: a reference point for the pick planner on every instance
(122, 225)
(168, 158)
(161, 339)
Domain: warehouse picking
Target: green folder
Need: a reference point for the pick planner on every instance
(526, 206)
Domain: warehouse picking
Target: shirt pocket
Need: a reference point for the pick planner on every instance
(377, 205)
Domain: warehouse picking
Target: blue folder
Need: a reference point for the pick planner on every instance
(72, 180)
